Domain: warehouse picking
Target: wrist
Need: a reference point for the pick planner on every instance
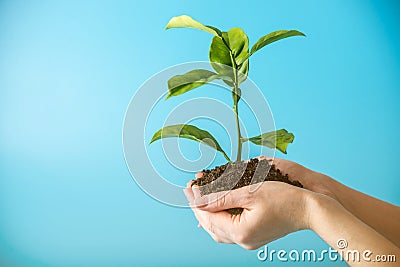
(306, 208)
(322, 184)
(318, 205)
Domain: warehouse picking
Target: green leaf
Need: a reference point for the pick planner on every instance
(279, 139)
(180, 84)
(189, 132)
(243, 71)
(187, 22)
(239, 44)
(220, 57)
(230, 51)
(273, 37)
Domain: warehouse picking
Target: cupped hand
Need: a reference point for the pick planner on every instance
(271, 210)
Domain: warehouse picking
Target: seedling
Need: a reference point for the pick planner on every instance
(229, 56)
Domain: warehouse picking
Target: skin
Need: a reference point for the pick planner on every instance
(381, 216)
(274, 209)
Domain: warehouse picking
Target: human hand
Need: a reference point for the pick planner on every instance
(276, 209)
(273, 210)
(311, 180)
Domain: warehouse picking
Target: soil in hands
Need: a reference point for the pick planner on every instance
(225, 177)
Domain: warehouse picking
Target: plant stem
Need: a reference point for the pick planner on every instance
(236, 97)
(240, 143)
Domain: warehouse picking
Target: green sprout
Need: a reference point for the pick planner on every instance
(229, 56)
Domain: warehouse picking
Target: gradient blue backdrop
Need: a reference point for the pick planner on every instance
(69, 68)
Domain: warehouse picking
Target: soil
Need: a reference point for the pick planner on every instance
(225, 177)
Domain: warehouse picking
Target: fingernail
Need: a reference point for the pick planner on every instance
(199, 175)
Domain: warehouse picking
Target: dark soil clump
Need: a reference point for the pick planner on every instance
(225, 177)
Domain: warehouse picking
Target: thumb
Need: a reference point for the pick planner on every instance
(214, 202)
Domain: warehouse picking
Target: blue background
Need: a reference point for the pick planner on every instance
(69, 68)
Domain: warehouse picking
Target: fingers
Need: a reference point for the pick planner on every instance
(189, 195)
(210, 211)
(188, 192)
(211, 223)
(215, 202)
(189, 184)
(199, 175)
(219, 239)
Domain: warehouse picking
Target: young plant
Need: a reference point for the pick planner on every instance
(229, 56)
